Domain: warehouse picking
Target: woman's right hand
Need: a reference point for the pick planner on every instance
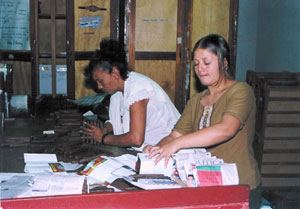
(147, 149)
(91, 131)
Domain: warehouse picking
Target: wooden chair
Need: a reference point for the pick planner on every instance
(277, 143)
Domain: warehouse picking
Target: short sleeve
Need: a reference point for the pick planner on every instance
(240, 102)
(139, 87)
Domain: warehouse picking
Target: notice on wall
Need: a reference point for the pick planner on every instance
(45, 74)
(14, 25)
(90, 21)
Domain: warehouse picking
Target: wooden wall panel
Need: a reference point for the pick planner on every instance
(281, 144)
(155, 31)
(280, 182)
(80, 90)
(161, 71)
(281, 157)
(88, 39)
(156, 25)
(21, 77)
(282, 132)
(209, 17)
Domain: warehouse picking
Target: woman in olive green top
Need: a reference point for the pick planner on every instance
(220, 118)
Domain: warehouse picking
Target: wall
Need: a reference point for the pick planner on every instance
(268, 39)
(278, 41)
(246, 41)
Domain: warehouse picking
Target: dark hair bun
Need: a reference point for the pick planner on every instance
(111, 50)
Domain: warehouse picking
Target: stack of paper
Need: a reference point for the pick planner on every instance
(45, 185)
(31, 185)
(146, 166)
(109, 169)
(205, 169)
(153, 183)
(40, 163)
(15, 186)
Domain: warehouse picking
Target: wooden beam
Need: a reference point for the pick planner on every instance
(15, 55)
(232, 40)
(70, 48)
(121, 34)
(53, 46)
(183, 51)
(114, 16)
(155, 55)
(34, 43)
(131, 33)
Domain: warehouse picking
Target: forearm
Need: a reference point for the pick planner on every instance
(206, 137)
(174, 134)
(123, 140)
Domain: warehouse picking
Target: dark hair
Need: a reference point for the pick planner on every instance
(219, 46)
(111, 54)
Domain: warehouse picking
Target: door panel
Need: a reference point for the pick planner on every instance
(88, 38)
(155, 27)
(153, 41)
(211, 16)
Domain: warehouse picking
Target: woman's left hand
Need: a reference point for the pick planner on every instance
(163, 151)
(91, 131)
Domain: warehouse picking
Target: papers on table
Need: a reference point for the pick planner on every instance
(153, 183)
(41, 185)
(109, 169)
(48, 132)
(205, 169)
(146, 166)
(39, 158)
(47, 185)
(15, 186)
(40, 163)
(39, 179)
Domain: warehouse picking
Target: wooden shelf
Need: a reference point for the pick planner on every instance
(48, 16)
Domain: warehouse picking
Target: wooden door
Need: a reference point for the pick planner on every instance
(160, 36)
(214, 16)
(87, 38)
(151, 38)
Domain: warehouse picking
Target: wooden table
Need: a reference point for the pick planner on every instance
(221, 197)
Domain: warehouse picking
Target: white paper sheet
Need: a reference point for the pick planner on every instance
(16, 186)
(39, 158)
(45, 185)
(147, 165)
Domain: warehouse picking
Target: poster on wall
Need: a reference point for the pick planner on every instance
(14, 25)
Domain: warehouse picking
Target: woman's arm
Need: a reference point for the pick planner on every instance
(209, 136)
(173, 135)
(136, 134)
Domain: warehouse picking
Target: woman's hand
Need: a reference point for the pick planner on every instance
(163, 151)
(91, 131)
(147, 149)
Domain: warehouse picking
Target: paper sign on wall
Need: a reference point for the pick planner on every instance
(14, 25)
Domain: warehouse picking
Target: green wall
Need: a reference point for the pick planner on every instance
(268, 36)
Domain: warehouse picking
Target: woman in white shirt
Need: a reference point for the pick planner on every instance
(140, 111)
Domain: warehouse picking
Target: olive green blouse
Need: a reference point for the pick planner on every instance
(238, 101)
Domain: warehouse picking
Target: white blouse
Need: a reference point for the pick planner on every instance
(161, 112)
